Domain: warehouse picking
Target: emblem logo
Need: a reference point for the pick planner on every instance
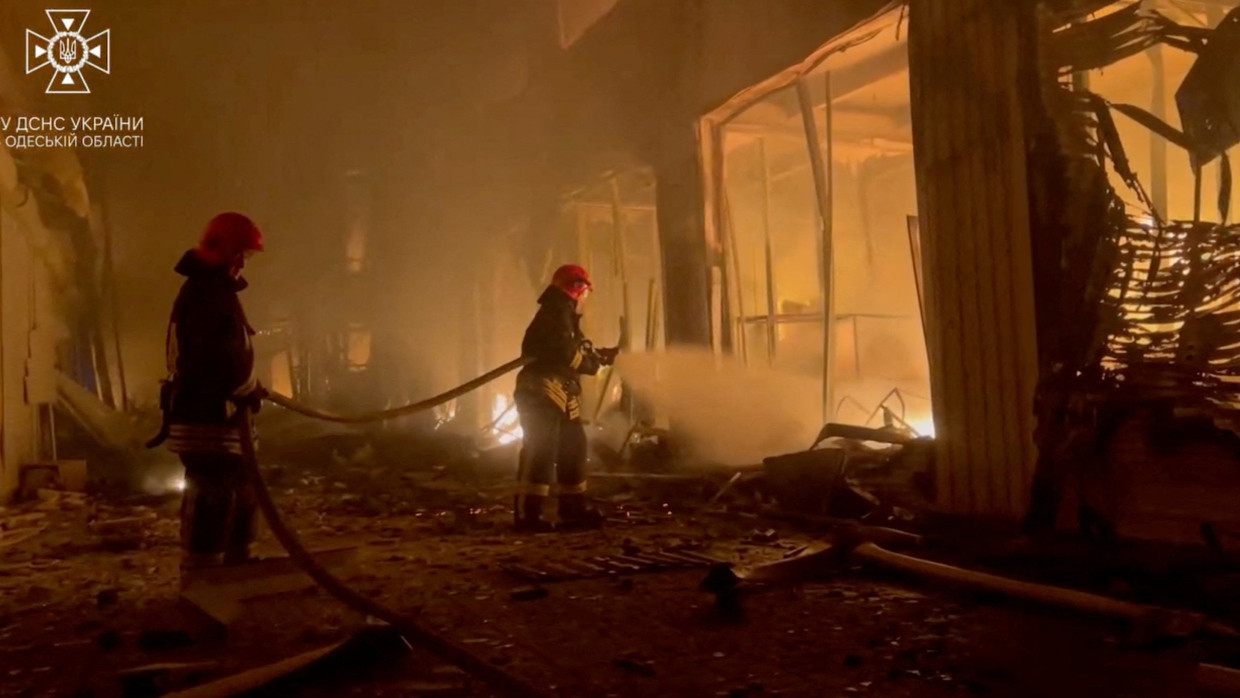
(67, 52)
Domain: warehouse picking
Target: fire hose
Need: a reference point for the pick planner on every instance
(408, 626)
(404, 410)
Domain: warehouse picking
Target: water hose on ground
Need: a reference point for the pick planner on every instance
(405, 624)
(408, 626)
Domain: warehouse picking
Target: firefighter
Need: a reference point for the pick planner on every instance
(548, 398)
(211, 386)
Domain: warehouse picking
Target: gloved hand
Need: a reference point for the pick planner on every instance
(607, 355)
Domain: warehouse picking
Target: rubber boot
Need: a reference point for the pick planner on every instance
(577, 514)
(528, 519)
(242, 527)
(202, 513)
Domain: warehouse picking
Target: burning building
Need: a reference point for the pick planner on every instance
(997, 234)
(838, 206)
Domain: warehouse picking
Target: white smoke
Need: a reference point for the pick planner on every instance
(728, 414)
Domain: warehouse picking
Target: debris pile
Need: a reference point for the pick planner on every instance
(854, 473)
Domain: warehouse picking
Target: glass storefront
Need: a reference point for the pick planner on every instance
(780, 247)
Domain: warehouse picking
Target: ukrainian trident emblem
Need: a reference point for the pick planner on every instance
(67, 52)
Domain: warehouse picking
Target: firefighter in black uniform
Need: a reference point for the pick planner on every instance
(211, 385)
(548, 398)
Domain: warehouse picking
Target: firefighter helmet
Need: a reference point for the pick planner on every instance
(227, 236)
(572, 280)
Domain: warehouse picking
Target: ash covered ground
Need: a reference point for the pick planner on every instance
(89, 599)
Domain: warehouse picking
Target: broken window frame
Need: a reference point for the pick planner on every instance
(721, 233)
(625, 200)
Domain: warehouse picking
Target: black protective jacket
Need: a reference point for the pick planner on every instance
(210, 355)
(558, 349)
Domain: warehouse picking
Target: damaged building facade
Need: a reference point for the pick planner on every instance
(810, 187)
(54, 359)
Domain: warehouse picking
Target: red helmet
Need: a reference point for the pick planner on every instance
(228, 235)
(572, 280)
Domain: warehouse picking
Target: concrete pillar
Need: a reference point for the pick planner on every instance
(969, 135)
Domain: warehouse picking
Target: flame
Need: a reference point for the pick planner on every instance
(504, 417)
(923, 427)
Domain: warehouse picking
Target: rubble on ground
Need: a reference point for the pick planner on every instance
(96, 587)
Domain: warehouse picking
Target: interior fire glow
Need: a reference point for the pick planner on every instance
(505, 425)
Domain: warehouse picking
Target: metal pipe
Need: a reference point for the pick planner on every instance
(656, 256)
(820, 162)
(783, 318)
(109, 272)
(735, 253)
(1196, 194)
(51, 425)
(770, 265)
(856, 348)
(1158, 144)
(621, 252)
(711, 137)
(827, 204)
(913, 226)
(607, 206)
(580, 229)
(651, 307)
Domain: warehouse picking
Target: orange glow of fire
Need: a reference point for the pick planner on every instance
(507, 428)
